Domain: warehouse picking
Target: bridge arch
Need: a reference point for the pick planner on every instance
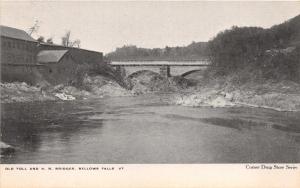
(133, 69)
(137, 73)
(190, 72)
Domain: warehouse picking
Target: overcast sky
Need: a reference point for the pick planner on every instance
(103, 26)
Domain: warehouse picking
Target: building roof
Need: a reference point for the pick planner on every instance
(69, 47)
(50, 56)
(15, 33)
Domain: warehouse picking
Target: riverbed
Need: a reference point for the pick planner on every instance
(146, 129)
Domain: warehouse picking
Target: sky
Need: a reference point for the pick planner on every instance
(103, 26)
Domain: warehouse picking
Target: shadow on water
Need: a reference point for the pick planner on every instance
(26, 129)
(238, 124)
(234, 123)
(290, 125)
(292, 128)
(287, 122)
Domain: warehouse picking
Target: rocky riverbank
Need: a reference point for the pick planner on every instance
(91, 87)
(281, 96)
(150, 82)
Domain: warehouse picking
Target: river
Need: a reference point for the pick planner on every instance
(147, 129)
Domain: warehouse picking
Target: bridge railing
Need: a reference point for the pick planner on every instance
(160, 63)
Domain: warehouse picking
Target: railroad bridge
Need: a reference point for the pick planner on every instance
(165, 68)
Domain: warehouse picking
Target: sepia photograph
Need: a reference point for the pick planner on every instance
(151, 82)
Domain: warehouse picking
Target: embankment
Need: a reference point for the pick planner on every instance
(222, 92)
(92, 87)
(150, 82)
(217, 92)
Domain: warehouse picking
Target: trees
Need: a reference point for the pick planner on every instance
(257, 53)
(194, 51)
(41, 39)
(237, 48)
(66, 40)
(34, 30)
(49, 40)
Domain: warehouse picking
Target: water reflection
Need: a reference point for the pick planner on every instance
(26, 125)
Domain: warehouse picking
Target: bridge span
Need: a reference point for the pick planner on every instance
(165, 68)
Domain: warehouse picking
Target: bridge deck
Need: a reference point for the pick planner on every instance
(160, 63)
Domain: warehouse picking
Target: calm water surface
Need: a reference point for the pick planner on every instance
(146, 129)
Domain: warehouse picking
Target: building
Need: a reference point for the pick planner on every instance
(60, 66)
(67, 64)
(26, 60)
(81, 55)
(18, 56)
(17, 47)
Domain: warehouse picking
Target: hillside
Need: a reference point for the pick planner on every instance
(287, 33)
(194, 51)
(257, 54)
(252, 67)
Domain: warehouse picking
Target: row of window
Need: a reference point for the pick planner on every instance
(19, 45)
(19, 59)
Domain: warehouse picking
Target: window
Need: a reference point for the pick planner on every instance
(9, 44)
(50, 70)
(29, 59)
(9, 58)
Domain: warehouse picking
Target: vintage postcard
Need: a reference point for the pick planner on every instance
(150, 94)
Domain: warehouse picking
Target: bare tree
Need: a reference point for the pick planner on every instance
(66, 40)
(34, 28)
(76, 43)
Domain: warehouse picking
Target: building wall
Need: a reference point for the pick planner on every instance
(67, 71)
(20, 73)
(89, 61)
(18, 60)
(14, 51)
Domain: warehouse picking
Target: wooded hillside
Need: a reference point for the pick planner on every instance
(194, 51)
(272, 53)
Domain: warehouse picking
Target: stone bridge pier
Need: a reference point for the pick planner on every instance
(121, 70)
(165, 71)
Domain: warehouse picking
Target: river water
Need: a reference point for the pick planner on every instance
(147, 129)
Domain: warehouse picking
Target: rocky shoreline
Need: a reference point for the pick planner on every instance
(283, 96)
(94, 87)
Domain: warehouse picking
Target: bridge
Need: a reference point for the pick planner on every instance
(165, 68)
